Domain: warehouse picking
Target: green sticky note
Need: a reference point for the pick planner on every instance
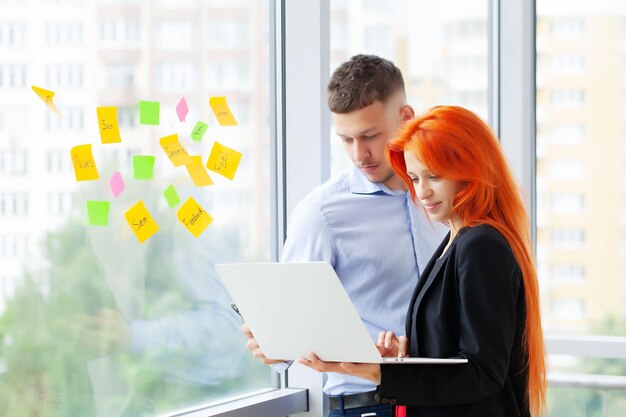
(171, 196)
(98, 212)
(198, 131)
(143, 167)
(149, 112)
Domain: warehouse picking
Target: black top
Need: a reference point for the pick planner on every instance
(467, 304)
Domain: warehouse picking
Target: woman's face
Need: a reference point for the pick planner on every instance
(435, 193)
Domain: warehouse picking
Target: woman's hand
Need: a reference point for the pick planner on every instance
(391, 346)
(369, 371)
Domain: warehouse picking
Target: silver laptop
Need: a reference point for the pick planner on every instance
(296, 308)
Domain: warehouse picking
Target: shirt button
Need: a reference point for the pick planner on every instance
(377, 397)
(385, 401)
(392, 401)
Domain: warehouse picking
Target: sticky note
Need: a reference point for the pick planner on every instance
(47, 97)
(222, 112)
(198, 131)
(194, 217)
(198, 174)
(98, 212)
(107, 123)
(116, 183)
(84, 164)
(143, 167)
(174, 150)
(149, 112)
(171, 196)
(182, 109)
(141, 222)
(224, 160)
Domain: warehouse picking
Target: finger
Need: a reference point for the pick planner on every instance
(381, 338)
(403, 348)
(246, 330)
(389, 338)
(251, 344)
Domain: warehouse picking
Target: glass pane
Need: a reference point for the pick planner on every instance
(441, 51)
(93, 322)
(581, 161)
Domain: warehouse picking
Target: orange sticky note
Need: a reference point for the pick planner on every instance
(224, 160)
(46, 96)
(174, 150)
(108, 125)
(194, 217)
(84, 164)
(141, 222)
(222, 111)
(198, 174)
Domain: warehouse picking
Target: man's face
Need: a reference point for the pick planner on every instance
(365, 134)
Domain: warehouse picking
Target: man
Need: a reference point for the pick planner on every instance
(364, 222)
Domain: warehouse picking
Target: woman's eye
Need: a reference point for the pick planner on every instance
(414, 179)
(433, 177)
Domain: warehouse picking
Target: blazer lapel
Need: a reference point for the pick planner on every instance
(426, 273)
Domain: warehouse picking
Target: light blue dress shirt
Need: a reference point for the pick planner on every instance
(377, 241)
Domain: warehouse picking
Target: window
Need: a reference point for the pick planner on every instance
(119, 75)
(227, 35)
(567, 169)
(567, 238)
(568, 203)
(64, 76)
(178, 345)
(175, 34)
(563, 99)
(566, 64)
(12, 76)
(64, 33)
(176, 76)
(568, 134)
(564, 273)
(11, 34)
(567, 29)
(569, 308)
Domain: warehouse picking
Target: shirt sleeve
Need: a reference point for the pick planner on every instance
(308, 236)
(488, 278)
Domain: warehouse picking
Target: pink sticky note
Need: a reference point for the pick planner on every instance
(182, 109)
(117, 184)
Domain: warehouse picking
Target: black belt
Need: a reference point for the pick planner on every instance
(364, 399)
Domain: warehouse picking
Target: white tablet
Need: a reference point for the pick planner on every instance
(296, 308)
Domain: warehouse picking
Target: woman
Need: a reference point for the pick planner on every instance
(478, 297)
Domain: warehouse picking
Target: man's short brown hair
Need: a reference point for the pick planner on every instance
(361, 81)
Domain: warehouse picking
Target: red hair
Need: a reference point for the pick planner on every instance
(454, 143)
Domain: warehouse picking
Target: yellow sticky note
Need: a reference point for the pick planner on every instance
(46, 96)
(175, 151)
(224, 160)
(141, 222)
(194, 217)
(84, 164)
(108, 125)
(222, 112)
(198, 174)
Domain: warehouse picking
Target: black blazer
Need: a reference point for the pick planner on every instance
(468, 304)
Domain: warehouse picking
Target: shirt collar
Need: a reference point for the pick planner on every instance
(359, 184)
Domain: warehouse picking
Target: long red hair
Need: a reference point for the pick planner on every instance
(454, 143)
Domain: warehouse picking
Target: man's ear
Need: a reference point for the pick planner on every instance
(407, 113)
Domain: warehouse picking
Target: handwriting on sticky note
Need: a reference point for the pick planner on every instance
(84, 164)
(194, 217)
(198, 174)
(182, 109)
(143, 167)
(174, 150)
(171, 196)
(198, 131)
(47, 97)
(149, 112)
(222, 111)
(141, 222)
(224, 160)
(98, 212)
(108, 125)
(116, 183)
